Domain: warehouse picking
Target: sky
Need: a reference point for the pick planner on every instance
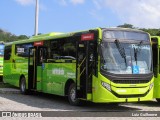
(18, 16)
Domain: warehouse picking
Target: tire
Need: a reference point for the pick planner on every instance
(72, 95)
(158, 100)
(23, 86)
(114, 104)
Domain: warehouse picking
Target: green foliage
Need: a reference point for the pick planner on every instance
(125, 25)
(22, 37)
(8, 37)
(152, 32)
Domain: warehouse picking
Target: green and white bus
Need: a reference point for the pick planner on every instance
(156, 67)
(102, 65)
(1, 58)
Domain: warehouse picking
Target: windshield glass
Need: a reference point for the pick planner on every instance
(1, 49)
(125, 35)
(121, 57)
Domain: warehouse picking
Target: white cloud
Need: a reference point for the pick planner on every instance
(75, 2)
(25, 2)
(32, 2)
(140, 13)
(67, 2)
(97, 5)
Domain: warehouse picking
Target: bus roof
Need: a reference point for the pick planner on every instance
(55, 35)
(124, 29)
(46, 35)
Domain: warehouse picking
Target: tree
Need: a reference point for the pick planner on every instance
(125, 25)
(8, 37)
(152, 32)
(21, 37)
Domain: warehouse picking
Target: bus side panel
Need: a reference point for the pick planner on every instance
(55, 75)
(50, 74)
(20, 67)
(7, 76)
(39, 78)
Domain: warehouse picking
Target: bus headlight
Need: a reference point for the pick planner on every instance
(151, 85)
(106, 85)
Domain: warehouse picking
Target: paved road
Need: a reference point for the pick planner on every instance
(43, 102)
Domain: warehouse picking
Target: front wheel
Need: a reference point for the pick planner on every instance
(72, 95)
(158, 100)
(23, 85)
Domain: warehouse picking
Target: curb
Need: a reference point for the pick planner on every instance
(9, 91)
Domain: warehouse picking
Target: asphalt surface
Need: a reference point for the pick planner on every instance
(49, 106)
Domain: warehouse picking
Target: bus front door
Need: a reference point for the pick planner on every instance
(41, 60)
(36, 61)
(85, 68)
(32, 69)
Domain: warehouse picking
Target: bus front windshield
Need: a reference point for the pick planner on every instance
(132, 57)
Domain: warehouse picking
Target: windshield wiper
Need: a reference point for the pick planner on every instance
(135, 54)
(102, 52)
(121, 50)
(136, 50)
(140, 43)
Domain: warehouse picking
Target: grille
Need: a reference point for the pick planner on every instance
(130, 81)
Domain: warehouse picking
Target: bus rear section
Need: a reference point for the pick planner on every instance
(1, 59)
(156, 68)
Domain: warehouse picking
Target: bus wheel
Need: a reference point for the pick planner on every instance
(23, 85)
(72, 95)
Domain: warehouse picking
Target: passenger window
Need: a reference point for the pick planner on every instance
(42, 55)
(7, 53)
(22, 50)
(62, 50)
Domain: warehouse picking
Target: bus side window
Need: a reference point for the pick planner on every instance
(7, 52)
(42, 55)
(63, 50)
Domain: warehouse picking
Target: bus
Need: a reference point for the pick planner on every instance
(1, 59)
(156, 68)
(101, 65)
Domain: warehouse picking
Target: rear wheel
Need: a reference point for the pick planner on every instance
(72, 95)
(23, 85)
